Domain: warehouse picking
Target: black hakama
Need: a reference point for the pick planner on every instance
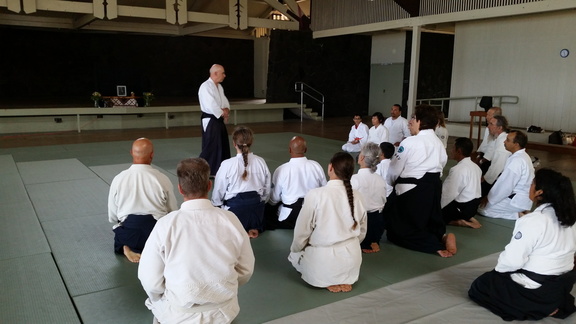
(215, 144)
(415, 221)
(497, 292)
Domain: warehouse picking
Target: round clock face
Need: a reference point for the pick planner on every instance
(564, 53)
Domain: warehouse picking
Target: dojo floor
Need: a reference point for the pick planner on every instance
(57, 263)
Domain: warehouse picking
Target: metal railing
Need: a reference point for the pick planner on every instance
(302, 88)
(441, 103)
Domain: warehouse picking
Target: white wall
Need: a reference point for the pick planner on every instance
(386, 72)
(388, 48)
(518, 56)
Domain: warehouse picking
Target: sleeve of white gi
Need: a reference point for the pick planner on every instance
(304, 223)
(517, 252)
(503, 187)
(151, 265)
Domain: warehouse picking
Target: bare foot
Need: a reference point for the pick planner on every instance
(345, 288)
(374, 247)
(339, 288)
(450, 241)
(334, 288)
(253, 233)
(444, 253)
(132, 256)
(473, 223)
(554, 312)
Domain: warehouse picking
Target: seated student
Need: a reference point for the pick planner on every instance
(397, 126)
(357, 137)
(441, 131)
(373, 190)
(485, 151)
(290, 183)
(138, 197)
(196, 257)
(415, 221)
(242, 184)
(378, 133)
(461, 189)
(534, 274)
(329, 229)
(386, 152)
(509, 195)
(498, 129)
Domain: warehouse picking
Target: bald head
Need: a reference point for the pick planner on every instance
(142, 151)
(297, 146)
(217, 73)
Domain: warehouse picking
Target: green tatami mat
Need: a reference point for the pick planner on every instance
(12, 188)
(122, 305)
(53, 170)
(83, 249)
(276, 282)
(20, 233)
(33, 292)
(69, 199)
(108, 172)
(7, 165)
(435, 297)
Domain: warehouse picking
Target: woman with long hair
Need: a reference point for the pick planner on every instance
(329, 229)
(242, 184)
(534, 274)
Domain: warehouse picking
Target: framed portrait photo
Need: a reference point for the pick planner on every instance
(121, 91)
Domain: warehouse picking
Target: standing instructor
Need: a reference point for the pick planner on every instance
(215, 110)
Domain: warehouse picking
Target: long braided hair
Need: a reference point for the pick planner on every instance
(343, 165)
(243, 138)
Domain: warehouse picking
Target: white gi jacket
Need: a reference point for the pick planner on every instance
(228, 182)
(397, 129)
(487, 145)
(195, 259)
(292, 181)
(498, 159)
(462, 183)
(539, 244)
(372, 189)
(416, 156)
(325, 249)
(140, 189)
(361, 132)
(212, 100)
(382, 170)
(442, 134)
(515, 179)
(378, 134)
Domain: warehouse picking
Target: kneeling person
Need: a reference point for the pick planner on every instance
(461, 190)
(290, 183)
(138, 197)
(196, 257)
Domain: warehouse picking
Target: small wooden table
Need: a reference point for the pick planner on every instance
(473, 115)
(115, 101)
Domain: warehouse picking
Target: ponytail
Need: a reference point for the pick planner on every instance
(343, 165)
(243, 138)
